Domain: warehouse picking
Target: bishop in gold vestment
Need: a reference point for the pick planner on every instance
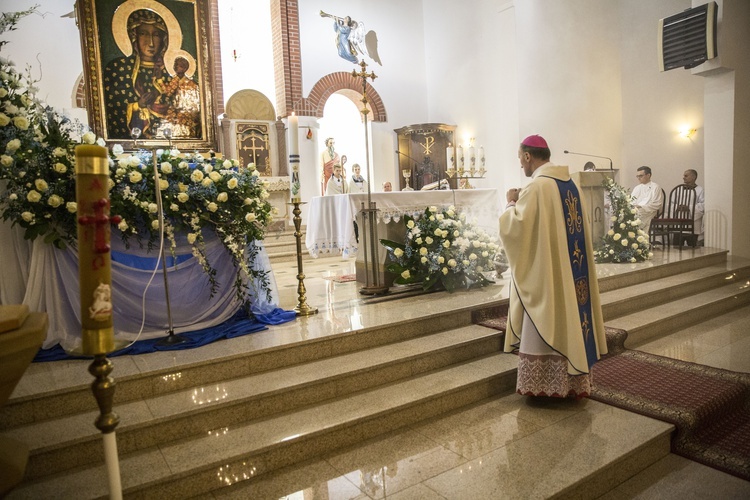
(555, 318)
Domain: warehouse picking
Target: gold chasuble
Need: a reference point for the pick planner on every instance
(553, 275)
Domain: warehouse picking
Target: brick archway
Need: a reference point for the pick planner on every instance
(313, 104)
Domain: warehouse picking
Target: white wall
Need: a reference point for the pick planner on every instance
(570, 78)
(470, 50)
(246, 33)
(656, 104)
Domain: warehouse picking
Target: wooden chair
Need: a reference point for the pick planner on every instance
(678, 224)
(658, 228)
(682, 201)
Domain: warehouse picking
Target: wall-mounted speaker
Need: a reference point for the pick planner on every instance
(688, 39)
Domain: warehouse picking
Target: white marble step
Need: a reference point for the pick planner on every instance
(40, 396)
(662, 319)
(159, 419)
(617, 276)
(187, 467)
(618, 302)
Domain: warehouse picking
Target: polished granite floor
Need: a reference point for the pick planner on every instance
(425, 462)
(437, 459)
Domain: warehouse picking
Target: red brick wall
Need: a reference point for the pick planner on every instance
(334, 82)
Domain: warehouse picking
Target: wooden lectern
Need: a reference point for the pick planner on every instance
(593, 194)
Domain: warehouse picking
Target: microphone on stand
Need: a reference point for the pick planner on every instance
(404, 154)
(593, 156)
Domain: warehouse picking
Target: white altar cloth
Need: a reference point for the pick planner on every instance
(46, 279)
(329, 220)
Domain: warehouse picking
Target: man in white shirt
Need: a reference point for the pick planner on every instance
(689, 177)
(337, 183)
(647, 197)
(357, 184)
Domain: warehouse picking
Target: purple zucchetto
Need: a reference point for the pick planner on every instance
(535, 141)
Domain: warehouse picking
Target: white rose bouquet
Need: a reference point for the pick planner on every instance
(625, 241)
(442, 247)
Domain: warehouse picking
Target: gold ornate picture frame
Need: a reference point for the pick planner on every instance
(148, 68)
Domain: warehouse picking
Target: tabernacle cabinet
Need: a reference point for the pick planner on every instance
(423, 149)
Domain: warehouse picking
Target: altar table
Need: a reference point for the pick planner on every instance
(330, 228)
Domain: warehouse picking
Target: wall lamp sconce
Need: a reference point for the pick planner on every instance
(687, 132)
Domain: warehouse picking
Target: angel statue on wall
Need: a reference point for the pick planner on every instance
(353, 39)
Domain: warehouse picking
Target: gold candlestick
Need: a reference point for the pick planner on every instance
(302, 308)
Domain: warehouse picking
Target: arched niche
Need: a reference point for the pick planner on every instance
(250, 104)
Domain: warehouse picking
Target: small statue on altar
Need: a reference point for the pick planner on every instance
(328, 159)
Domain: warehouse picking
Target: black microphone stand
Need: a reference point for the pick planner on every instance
(171, 338)
(592, 156)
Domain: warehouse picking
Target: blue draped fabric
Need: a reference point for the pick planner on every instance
(46, 279)
(240, 324)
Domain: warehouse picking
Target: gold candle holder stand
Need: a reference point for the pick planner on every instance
(103, 388)
(302, 309)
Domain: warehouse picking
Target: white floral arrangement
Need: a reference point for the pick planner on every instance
(625, 241)
(442, 247)
(37, 185)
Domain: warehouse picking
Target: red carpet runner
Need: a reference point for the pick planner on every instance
(709, 407)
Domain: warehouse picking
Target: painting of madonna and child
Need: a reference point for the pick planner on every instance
(150, 69)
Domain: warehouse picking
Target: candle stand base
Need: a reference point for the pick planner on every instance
(373, 285)
(171, 339)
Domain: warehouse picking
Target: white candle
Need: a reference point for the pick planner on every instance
(294, 157)
(472, 158)
(449, 158)
(460, 157)
(293, 134)
(481, 156)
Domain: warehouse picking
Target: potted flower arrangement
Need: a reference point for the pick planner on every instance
(441, 247)
(37, 185)
(625, 241)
